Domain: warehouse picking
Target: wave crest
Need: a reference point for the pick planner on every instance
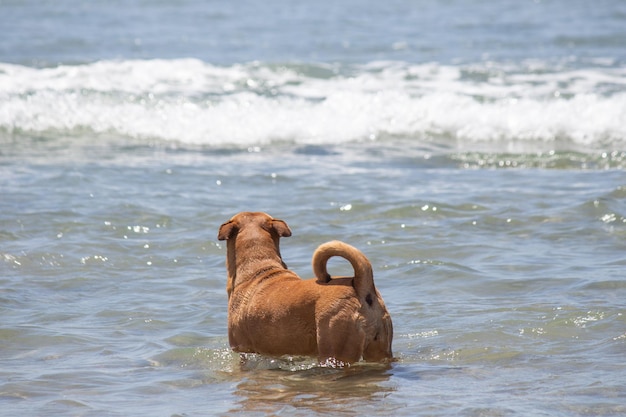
(193, 102)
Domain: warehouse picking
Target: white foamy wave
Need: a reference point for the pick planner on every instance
(189, 101)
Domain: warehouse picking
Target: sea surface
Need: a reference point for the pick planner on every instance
(474, 150)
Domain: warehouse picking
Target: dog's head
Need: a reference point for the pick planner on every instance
(255, 235)
(253, 223)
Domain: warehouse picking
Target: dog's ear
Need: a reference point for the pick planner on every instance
(281, 228)
(227, 230)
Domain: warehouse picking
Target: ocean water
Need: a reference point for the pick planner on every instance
(474, 150)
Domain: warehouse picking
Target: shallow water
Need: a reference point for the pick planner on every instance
(505, 285)
(473, 151)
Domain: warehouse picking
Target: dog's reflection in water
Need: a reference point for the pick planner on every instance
(285, 385)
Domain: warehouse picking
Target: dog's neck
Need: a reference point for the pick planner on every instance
(261, 253)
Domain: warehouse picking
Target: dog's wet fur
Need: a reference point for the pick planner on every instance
(272, 311)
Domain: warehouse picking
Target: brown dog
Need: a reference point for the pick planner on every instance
(272, 311)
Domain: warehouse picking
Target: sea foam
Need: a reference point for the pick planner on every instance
(190, 101)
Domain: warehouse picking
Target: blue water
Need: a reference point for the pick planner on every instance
(473, 150)
(48, 33)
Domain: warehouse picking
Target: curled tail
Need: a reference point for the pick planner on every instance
(363, 275)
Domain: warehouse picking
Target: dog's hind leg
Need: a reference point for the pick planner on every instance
(340, 340)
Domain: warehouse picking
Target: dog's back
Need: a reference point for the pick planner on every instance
(272, 311)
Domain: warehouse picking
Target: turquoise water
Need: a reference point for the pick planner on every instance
(474, 151)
